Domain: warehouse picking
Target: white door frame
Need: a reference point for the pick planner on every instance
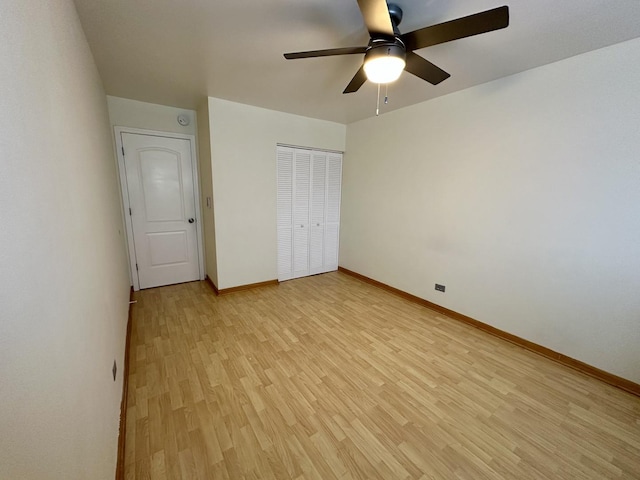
(125, 194)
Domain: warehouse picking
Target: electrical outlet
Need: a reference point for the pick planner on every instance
(114, 370)
(439, 287)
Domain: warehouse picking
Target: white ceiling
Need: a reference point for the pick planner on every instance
(177, 52)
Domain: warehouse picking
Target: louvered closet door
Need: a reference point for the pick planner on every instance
(332, 218)
(285, 213)
(309, 183)
(301, 186)
(318, 202)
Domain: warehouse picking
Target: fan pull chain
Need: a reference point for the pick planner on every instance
(378, 102)
(386, 93)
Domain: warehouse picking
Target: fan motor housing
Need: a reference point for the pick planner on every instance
(385, 49)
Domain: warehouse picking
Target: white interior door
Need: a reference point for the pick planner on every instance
(160, 185)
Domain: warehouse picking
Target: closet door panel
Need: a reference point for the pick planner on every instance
(332, 218)
(301, 197)
(318, 200)
(285, 212)
(331, 238)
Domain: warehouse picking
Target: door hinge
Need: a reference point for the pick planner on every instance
(129, 212)
(136, 267)
(122, 151)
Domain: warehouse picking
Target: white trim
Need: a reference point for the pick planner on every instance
(298, 147)
(125, 194)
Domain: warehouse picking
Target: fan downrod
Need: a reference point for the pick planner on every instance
(395, 12)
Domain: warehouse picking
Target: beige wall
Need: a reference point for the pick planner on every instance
(522, 196)
(63, 277)
(206, 191)
(243, 156)
(149, 116)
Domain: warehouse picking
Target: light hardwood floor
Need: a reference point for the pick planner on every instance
(328, 377)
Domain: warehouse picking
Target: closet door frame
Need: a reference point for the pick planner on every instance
(324, 268)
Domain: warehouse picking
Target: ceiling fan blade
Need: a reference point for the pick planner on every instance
(424, 69)
(482, 22)
(325, 53)
(357, 81)
(376, 17)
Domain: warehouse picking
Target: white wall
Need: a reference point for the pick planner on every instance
(522, 196)
(63, 277)
(206, 191)
(150, 116)
(243, 154)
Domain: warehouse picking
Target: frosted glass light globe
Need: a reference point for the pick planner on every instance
(384, 69)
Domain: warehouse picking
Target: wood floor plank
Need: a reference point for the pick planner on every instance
(327, 377)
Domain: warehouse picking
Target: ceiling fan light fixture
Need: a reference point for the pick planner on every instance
(389, 52)
(384, 64)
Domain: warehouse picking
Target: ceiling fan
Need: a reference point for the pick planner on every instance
(389, 52)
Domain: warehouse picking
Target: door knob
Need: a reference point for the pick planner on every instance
(191, 220)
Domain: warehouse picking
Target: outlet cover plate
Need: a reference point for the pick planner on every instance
(439, 287)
